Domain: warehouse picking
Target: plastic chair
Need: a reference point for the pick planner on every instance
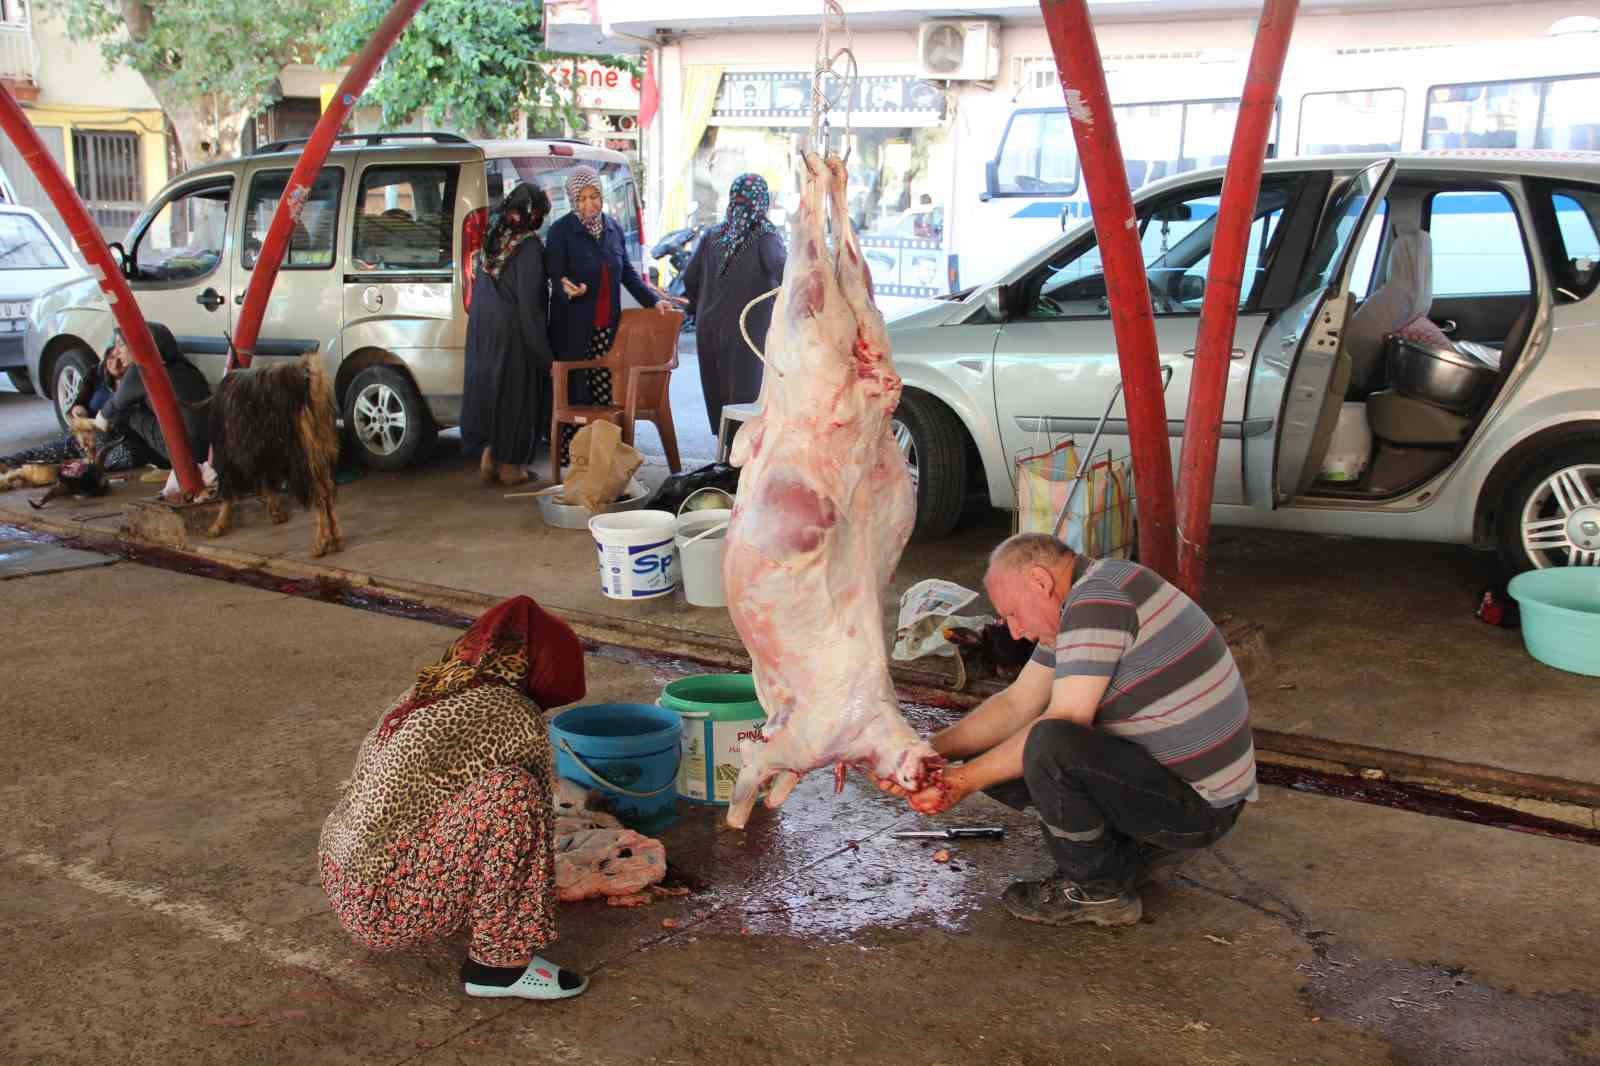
(641, 360)
(733, 414)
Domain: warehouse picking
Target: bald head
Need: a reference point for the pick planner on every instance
(1017, 554)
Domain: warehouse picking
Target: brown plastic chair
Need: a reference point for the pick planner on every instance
(641, 360)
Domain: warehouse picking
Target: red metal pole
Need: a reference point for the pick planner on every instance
(248, 328)
(123, 306)
(1094, 128)
(1219, 313)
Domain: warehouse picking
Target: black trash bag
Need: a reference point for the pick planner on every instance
(679, 487)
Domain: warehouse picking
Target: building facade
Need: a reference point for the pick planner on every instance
(949, 97)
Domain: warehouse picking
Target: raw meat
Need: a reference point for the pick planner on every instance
(824, 509)
(596, 856)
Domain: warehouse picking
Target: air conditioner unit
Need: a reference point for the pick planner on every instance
(959, 49)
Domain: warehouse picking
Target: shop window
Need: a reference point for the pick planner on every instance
(1477, 245)
(1362, 122)
(183, 242)
(109, 178)
(312, 240)
(405, 219)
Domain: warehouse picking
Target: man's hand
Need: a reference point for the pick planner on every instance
(936, 799)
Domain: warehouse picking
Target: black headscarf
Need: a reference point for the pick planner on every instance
(520, 215)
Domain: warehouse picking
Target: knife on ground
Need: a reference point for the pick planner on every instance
(977, 832)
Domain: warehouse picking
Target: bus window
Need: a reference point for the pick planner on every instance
(1333, 123)
(1477, 245)
(1569, 121)
(1038, 154)
(1550, 113)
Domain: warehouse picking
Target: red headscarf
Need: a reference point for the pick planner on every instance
(516, 643)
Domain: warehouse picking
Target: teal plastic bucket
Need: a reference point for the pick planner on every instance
(630, 752)
(1561, 616)
(719, 712)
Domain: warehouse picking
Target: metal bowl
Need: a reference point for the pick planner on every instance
(563, 515)
(1443, 377)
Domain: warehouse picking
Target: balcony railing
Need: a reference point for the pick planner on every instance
(19, 59)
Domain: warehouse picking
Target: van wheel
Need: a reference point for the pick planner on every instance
(386, 419)
(69, 382)
(1550, 516)
(930, 441)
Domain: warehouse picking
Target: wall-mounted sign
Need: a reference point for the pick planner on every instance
(784, 98)
(599, 88)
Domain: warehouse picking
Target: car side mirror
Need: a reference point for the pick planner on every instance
(1191, 288)
(991, 181)
(995, 301)
(119, 255)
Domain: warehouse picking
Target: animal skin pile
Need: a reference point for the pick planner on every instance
(824, 510)
(596, 857)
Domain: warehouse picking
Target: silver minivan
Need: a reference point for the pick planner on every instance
(1479, 423)
(375, 277)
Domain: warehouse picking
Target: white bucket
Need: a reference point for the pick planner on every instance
(702, 560)
(638, 559)
(1351, 447)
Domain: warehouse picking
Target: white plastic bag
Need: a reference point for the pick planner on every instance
(926, 609)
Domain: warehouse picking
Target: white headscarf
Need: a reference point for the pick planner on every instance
(580, 179)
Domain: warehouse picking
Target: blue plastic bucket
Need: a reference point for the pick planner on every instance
(630, 752)
(1561, 616)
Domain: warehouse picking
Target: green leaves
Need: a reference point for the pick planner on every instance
(471, 64)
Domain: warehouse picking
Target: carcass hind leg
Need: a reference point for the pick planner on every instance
(224, 520)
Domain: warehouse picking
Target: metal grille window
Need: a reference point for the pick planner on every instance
(109, 178)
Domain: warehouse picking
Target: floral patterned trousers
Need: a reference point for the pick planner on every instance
(486, 860)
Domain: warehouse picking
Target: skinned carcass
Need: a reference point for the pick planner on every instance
(824, 509)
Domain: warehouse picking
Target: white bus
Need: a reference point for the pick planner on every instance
(1019, 183)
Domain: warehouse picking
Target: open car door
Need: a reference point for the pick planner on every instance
(1297, 380)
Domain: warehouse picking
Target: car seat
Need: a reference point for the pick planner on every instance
(1406, 294)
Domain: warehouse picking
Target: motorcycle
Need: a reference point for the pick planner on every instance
(677, 248)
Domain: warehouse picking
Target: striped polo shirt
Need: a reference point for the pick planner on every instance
(1175, 690)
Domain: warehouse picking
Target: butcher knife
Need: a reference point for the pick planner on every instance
(976, 832)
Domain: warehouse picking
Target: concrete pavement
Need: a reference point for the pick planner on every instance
(175, 742)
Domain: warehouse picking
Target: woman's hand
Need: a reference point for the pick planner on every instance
(573, 291)
(665, 305)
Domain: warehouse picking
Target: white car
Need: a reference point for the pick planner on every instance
(1435, 313)
(32, 259)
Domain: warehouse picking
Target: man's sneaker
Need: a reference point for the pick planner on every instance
(1155, 862)
(1058, 901)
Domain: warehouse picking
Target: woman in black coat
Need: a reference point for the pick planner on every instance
(735, 263)
(505, 399)
(587, 262)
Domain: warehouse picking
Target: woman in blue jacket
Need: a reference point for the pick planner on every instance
(586, 260)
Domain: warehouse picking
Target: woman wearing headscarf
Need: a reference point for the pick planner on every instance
(448, 819)
(505, 400)
(587, 262)
(128, 413)
(736, 262)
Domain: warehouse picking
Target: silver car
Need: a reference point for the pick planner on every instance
(32, 258)
(1417, 354)
(375, 278)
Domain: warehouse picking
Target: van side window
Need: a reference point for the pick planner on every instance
(1038, 154)
(311, 241)
(183, 242)
(405, 219)
(1477, 245)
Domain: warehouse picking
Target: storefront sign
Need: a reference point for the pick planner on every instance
(599, 88)
(784, 98)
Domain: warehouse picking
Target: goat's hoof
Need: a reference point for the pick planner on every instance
(280, 518)
(216, 531)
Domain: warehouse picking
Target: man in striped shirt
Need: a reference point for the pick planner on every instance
(1128, 731)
